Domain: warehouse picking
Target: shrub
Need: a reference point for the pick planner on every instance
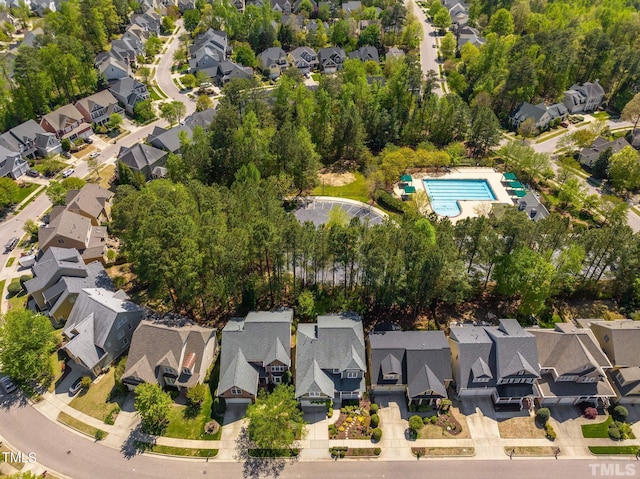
(445, 404)
(591, 413)
(625, 430)
(426, 420)
(85, 382)
(620, 413)
(14, 288)
(551, 433)
(100, 434)
(434, 419)
(614, 432)
(415, 423)
(330, 412)
(375, 420)
(374, 408)
(111, 417)
(389, 202)
(196, 395)
(377, 451)
(341, 429)
(333, 430)
(23, 279)
(543, 415)
(377, 434)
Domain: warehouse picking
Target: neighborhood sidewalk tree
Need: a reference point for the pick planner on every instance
(154, 406)
(173, 111)
(26, 342)
(631, 111)
(275, 420)
(115, 121)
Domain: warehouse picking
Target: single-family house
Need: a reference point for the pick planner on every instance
(144, 159)
(331, 59)
(100, 327)
(58, 277)
(42, 7)
(459, 14)
(149, 21)
(169, 139)
(466, 34)
(331, 360)
(31, 140)
(203, 119)
(620, 341)
(184, 5)
(583, 98)
(209, 49)
(273, 61)
(572, 367)
(171, 351)
(125, 48)
(129, 91)
(255, 352)
(12, 165)
(500, 362)
(67, 229)
(366, 53)
(66, 122)
(542, 114)
(97, 108)
(113, 66)
(304, 59)
(92, 201)
(417, 363)
(351, 6)
(589, 156)
(228, 70)
(281, 6)
(395, 52)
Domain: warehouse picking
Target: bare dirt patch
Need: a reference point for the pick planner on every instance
(336, 179)
(520, 428)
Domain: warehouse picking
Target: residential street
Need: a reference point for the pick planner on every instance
(163, 72)
(428, 54)
(71, 454)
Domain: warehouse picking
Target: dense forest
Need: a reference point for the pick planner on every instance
(536, 49)
(214, 250)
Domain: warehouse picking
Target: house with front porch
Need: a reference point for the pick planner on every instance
(169, 350)
(31, 140)
(99, 328)
(66, 122)
(416, 363)
(497, 362)
(255, 352)
(331, 361)
(620, 341)
(572, 367)
(98, 107)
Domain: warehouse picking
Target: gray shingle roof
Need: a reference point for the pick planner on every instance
(334, 342)
(49, 265)
(169, 139)
(140, 156)
(620, 340)
(493, 352)
(426, 380)
(256, 339)
(314, 380)
(391, 365)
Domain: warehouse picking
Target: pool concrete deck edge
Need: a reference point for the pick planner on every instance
(469, 208)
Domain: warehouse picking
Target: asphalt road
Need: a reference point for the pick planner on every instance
(163, 72)
(428, 54)
(63, 451)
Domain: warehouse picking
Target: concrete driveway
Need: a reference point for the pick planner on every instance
(62, 389)
(231, 429)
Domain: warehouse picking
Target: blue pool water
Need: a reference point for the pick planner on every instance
(445, 194)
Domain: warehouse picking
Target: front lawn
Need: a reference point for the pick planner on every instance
(72, 422)
(599, 430)
(175, 451)
(183, 424)
(18, 465)
(97, 401)
(520, 428)
(25, 191)
(19, 300)
(531, 451)
(457, 428)
(356, 190)
(443, 451)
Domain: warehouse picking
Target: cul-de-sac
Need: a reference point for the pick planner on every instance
(319, 239)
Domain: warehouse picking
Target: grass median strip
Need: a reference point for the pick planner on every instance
(443, 451)
(530, 451)
(175, 451)
(631, 450)
(80, 426)
(33, 197)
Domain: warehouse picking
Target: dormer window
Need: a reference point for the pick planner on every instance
(236, 391)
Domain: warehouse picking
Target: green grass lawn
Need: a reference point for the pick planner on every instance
(70, 421)
(17, 465)
(95, 401)
(18, 300)
(154, 95)
(176, 451)
(599, 430)
(601, 115)
(25, 191)
(631, 450)
(184, 427)
(356, 190)
(10, 262)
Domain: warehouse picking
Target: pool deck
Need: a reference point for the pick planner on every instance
(469, 208)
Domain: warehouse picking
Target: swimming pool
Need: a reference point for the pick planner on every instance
(445, 194)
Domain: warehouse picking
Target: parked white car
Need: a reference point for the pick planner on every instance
(67, 173)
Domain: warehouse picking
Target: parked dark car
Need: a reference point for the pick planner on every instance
(33, 173)
(11, 244)
(66, 154)
(7, 385)
(88, 141)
